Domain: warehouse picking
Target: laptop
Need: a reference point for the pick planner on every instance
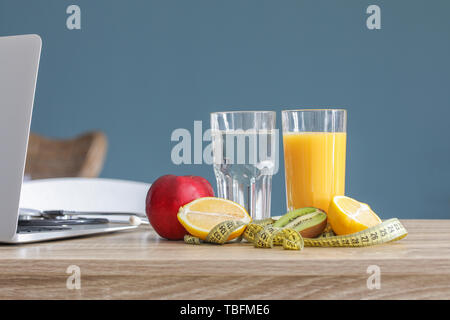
(19, 63)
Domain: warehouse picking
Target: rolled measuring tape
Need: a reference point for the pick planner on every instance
(387, 231)
(263, 234)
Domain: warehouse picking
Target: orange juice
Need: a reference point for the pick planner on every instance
(315, 168)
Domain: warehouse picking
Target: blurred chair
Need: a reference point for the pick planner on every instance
(82, 156)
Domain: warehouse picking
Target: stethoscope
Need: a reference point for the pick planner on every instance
(34, 217)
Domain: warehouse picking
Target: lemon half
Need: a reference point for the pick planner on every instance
(201, 215)
(347, 215)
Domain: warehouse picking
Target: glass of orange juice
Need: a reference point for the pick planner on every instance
(314, 142)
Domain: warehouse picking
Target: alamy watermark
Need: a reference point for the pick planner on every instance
(73, 21)
(373, 22)
(374, 280)
(257, 148)
(73, 281)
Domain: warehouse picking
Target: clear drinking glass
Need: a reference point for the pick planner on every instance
(314, 142)
(245, 153)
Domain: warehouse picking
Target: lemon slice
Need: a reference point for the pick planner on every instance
(201, 215)
(346, 216)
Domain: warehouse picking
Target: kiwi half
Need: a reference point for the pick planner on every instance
(309, 222)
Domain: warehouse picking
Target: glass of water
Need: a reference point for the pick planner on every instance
(245, 153)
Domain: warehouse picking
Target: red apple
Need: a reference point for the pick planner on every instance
(165, 197)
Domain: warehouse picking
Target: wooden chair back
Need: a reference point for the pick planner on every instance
(82, 156)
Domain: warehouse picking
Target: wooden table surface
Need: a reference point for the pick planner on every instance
(139, 265)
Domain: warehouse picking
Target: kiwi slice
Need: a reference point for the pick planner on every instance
(309, 222)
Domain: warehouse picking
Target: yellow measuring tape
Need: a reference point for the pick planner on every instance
(263, 234)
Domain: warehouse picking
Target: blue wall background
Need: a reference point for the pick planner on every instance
(140, 69)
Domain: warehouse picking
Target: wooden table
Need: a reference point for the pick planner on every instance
(139, 265)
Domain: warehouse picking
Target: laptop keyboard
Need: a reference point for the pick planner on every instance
(29, 229)
(49, 225)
